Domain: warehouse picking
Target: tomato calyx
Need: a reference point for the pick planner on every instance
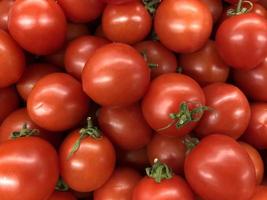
(24, 132)
(150, 65)
(159, 171)
(190, 143)
(240, 9)
(151, 5)
(61, 185)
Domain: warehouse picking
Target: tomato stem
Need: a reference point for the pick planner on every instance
(239, 6)
(190, 143)
(150, 65)
(240, 9)
(151, 5)
(61, 185)
(159, 171)
(24, 132)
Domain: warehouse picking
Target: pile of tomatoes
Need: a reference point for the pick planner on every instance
(133, 99)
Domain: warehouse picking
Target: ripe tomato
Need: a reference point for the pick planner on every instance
(215, 7)
(5, 6)
(183, 26)
(125, 126)
(127, 23)
(81, 11)
(31, 75)
(165, 97)
(9, 101)
(205, 65)
(79, 51)
(230, 112)
(260, 194)
(120, 186)
(116, 75)
(62, 196)
(76, 30)
(253, 82)
(219, 161)
(28, 170)
(242, 40)
(57, 102)
(12, 61)
(156, 54)
(256, 133)
(39, 26)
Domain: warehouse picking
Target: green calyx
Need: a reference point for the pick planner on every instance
(190, 143)
(61, 186)
(159, 171)
(151, 5)
(24, 132)
(240, 9)
(150, 65)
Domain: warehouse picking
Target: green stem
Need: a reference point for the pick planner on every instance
(24, 132)
(61, 185)
(190, 143)
(151, 5)
(159, 171)
(239, 6)
(150, 65)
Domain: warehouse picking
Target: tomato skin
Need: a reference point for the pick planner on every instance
(215, 7)
(125, 126)
(164, 97)
(5, 6)
(251, 29)
(156, 53)
(168, 189)
(23, 158)
(173, 22)
(103, 73)
(76, 30)
(12, 60)
(117, 1)
(81, 11)
(9, 101)
(127, 23)
(205, 65)
(57, 102)
(230, 112)
(86, 177)
(62, 196)
(217, 161)
(79, 52)
(261, 193)
(120, 186)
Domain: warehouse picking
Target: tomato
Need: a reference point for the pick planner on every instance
(79, 51)
(125, 126)
(117, 1)
(62, 196)
(253, 82)
(91, 165)
(127, 23)
(76, 30)
(9, 101)
(256, 159)
(219, 167)
(28, 170)
(263, 2)
(31, 75)
(120, 186)
(116, 75)
(260, 194)
(215, 7)
(12, 60)
(230, 111)
(170, 151)
(256, 133)
(205, 65)
(242, 40)
(5, 6)
(236, 1)
(81, 11)
(57, 102)
(166, 96)
(173, 24)
(39, 26)
(157, 54)
(259, 9)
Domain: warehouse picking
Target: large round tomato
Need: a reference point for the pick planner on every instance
(120, 186)
(39, 26)
(12, 60)
(215, 7)
(57, 102)
(61, 196)
(116, 75)
(242, 40)
(260, 194)
(219, 167)
(28, 170)
(5, 6)
(229, 114)
(127, 23)
(165, 101)
(183, 25)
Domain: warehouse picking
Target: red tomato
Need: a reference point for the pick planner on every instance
(156, 54)
(81, 11)
(219, 167)
(125, 126)
(117, 1)
(259, 9)
(215, 7)
(9, 101)
(39, 26)
(205, 65)
(28, 170)
(253, 82)
(120, 186)
(5, 6)
(79, 51)
(242, 40)
(62, 196)
(183, 26)
(116, 75)
(165, 97)
(31, 75)
(127, 23)
(263, 2)
(12, 60)
(260, 194)
(76, 30)
(230, 112)
(57, 102)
